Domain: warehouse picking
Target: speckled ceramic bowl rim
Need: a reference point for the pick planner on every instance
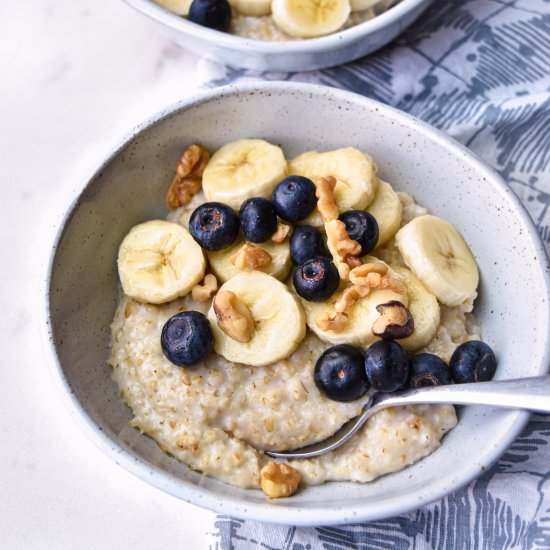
(269, 512)
(247, 45)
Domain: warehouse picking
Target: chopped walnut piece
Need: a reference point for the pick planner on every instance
(364, 278)
(341, 246)
(335, 322)
(279, 480)
(201, 293)
(281, 234)
(395, 321)
(374, 275)
(234, 317)
(188, 179)
(250, 257)
(326, 203)
(349, 297)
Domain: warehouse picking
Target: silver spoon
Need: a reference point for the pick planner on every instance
(530, 394)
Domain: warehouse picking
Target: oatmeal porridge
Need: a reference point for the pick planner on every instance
(278, 20)
(259, 316)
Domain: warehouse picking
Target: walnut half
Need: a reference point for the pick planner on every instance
(279, 480)
(188, 179)
(395, 321)
(233, 316)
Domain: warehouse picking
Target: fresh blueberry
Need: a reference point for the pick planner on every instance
(214, 225)
(294, 198)
(340, 375)
(214, 14)
(186, 338)
(306, 243)
(473, 362)
(316, 280)
(387, 366)
(428, 370)
(258, 220)
(361, 227)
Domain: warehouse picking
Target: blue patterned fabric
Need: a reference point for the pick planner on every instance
(480, 71)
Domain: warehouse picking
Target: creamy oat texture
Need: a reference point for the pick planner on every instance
(215, 416)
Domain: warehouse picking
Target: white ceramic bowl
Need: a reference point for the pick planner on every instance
(297, 55)
(129, 187)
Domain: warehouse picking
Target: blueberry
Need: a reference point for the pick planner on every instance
(294, 198)
(387, 366)
(186, 338)
(306, 243)
(361, 227)
(316, 280)
(258, 220)
(214, 225)
(340, 375)
(473, 362)
(428, 370)
(214, 14)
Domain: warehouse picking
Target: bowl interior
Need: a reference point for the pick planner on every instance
(129, 189)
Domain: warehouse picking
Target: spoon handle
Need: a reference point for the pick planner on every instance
(530, 394)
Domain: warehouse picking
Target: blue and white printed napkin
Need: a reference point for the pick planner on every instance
(480, 71)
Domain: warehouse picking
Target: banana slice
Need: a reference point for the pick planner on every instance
(252, 7)
(424, 309)
(358, 329)
(310, 18)
(279, 319)
(388, 210)
(243, 169)
(223, 268)
(181, 7)
(355, 173)
(438, 255)
(159, 261)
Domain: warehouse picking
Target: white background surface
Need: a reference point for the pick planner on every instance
(76, 75)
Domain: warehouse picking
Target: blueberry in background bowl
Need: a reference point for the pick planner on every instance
(340, 374)
(258, 219)
(294, 198)
(306, 243)
(214, 225)
(214, 14)
(316, 280)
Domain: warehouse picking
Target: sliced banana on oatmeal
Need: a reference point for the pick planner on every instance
(438, 255)
(255, 8)
(279, 323)
(388, 211)
(360, 317)
(424, 308)
(243, 169)
(159, 261)
(355, 174)
(310, 18)
(225, 267)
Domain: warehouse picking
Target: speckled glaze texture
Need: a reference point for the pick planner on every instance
(444, 176)
(304, 55)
